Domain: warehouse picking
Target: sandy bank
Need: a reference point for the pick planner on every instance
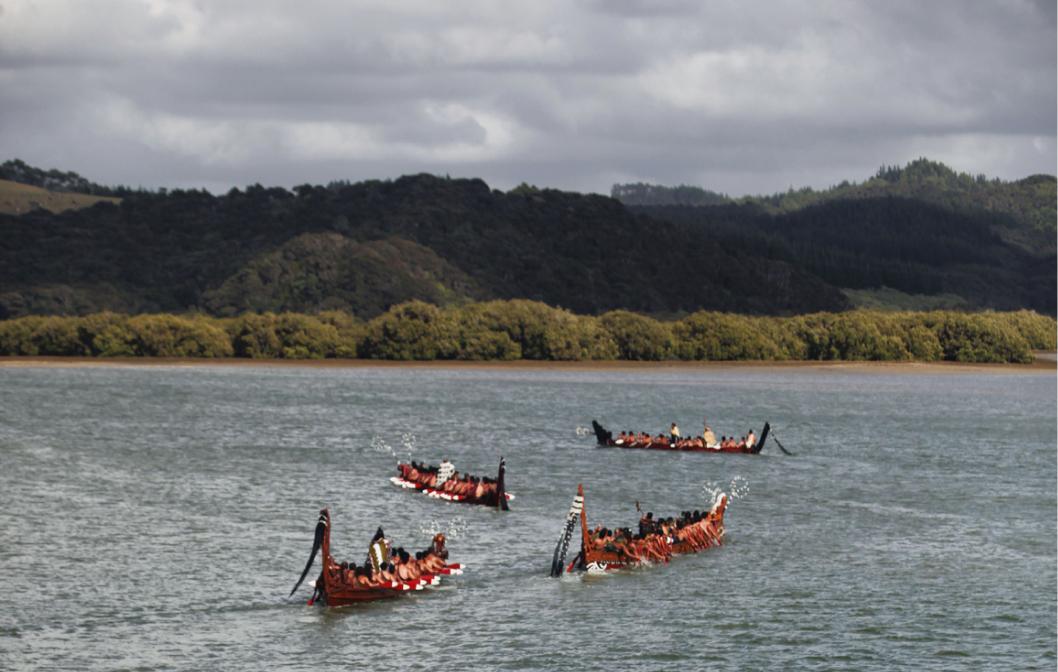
(1045, 362)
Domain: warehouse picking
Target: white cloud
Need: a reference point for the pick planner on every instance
(208, 141)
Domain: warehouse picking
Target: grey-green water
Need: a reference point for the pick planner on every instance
(156, 518)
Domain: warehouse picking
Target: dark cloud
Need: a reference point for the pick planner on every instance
(738, 97)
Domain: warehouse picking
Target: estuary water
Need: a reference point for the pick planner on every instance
(156, 517)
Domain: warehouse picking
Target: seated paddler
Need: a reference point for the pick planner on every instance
(444, 472)
(710, 438)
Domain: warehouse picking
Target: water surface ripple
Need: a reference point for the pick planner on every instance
(156, 518)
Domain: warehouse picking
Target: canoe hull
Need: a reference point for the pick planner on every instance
(697, 537)
(604, 439)
(337, 587)
(497, 498)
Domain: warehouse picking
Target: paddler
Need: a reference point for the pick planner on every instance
(444, 472)
(708, 436)
(646, 524)
(378, 550)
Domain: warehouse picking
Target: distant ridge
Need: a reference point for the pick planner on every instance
(1031, 201)
(911, 236)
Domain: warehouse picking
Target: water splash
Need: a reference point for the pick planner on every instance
(453, 528)
(407, 441)
(583, 431)
(379, 445)
(738, 488)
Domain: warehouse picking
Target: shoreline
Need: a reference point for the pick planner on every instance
(1044, 362)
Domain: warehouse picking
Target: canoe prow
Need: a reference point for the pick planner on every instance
(763, 437)
(501, 492)
(602, 436)
(558, 559)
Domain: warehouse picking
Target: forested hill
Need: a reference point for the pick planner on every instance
(900, 250)
(364, 247)
(1029, 201)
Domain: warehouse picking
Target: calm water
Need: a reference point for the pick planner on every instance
(157, 517)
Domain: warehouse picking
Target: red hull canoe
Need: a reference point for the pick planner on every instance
(425, 482)
(335, 587)
(605, 439)
(656, 547)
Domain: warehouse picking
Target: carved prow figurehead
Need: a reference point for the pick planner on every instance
(716, 514)
(437, 546)
(763, 437)
(501, 493)
(558, 560)
(719, 504)
(322, 538)
(601, 435)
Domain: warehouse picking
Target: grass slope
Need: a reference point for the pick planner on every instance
(17, 199)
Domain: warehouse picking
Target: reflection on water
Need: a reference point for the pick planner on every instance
(157, 517)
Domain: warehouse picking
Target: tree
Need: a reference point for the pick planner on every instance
(411, 330)
(638, 337)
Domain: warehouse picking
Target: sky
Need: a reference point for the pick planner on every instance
(740, 97)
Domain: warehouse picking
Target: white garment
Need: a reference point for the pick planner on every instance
(379, 553)
(445, 471)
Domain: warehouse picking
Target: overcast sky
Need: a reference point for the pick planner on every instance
(739, 97)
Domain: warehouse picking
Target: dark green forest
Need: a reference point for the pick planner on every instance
(893, 242)
(361, 248)
(520, 329)
(923, 229)
(1030, 202)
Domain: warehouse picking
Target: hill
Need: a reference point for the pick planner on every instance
(871, 247)
(1028, 203)
(327, 271)
(446, 240)
(365, 247)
